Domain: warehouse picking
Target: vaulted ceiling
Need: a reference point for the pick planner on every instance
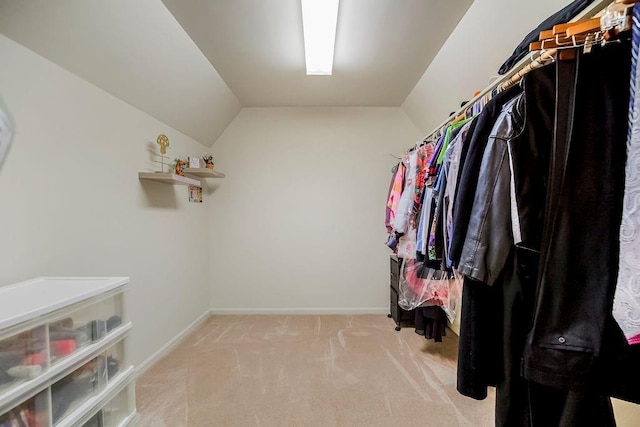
(194, 64)
(382, 48)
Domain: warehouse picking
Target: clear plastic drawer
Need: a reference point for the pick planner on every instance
(74, 389)
(120, 408)
(84, 326)
(22, 357)
(33, 413)
(115, 360)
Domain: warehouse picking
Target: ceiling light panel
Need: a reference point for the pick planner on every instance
(319, 22)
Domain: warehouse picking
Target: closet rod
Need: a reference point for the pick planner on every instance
(521, 68)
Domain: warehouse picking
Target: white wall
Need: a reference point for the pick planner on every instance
(72, 204)
(299, 222)
(485, 37)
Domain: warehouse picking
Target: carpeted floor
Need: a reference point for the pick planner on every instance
(307, 371)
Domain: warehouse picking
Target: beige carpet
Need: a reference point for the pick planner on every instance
(307, 371)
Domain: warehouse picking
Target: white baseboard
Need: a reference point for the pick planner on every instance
(142, 368)
(308, 311)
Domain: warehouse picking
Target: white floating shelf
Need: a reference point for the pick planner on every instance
(169, 178)
(204, 172)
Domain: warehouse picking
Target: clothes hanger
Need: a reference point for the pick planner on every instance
(460, 117)
(588, 26)
(561, 41)
(617, 18)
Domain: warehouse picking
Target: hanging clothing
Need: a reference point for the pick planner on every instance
(431, 323)
(561, 313)
(424, 154)
(433, 161)
(451, 167)
(395, 193)
(489, 235)
(626, 307)
(575, 296)
(405, 204)
(403, 225)
(390, 214)
(470, 162)
(423, 223)
(436, 241)
(495, 319)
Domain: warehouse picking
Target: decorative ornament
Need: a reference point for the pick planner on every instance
(180, 164)
(163, 142)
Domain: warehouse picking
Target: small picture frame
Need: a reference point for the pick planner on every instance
(195, 194)
(195, 162)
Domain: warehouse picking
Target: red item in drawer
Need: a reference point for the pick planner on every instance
(63, 348)
(35, 359)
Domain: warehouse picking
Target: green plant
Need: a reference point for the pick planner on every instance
(207, 158)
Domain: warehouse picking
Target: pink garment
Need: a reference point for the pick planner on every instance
(420, 285)
(396, 193)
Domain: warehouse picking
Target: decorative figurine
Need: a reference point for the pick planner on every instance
(163, 142)
(180, 164)
(208, 160)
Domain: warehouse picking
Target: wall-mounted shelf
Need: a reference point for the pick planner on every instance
(169, 178)
(204, 173)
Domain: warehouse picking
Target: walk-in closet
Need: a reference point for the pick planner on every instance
(319, 213)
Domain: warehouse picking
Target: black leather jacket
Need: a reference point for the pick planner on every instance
(551, 182)
(489, 236)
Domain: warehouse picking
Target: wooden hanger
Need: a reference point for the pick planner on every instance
(589, 26)
(559, 42)
(561, 29)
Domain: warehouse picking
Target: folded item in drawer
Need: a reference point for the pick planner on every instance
(63, 348)
(25, 371)
(62, 334)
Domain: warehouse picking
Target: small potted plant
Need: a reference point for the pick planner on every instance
(208, 160)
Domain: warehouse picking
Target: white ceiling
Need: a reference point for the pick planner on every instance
(134, 50)
(382, 48)
(246, 52)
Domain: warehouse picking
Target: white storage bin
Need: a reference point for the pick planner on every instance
(63, 353)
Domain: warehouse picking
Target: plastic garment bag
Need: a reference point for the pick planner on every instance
(424, 286)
